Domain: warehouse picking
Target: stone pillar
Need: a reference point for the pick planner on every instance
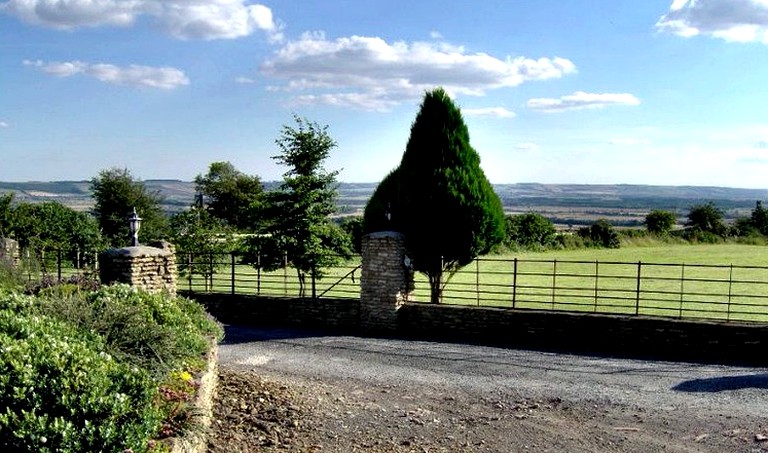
(149, 267)
(9, 251)
(385, 282)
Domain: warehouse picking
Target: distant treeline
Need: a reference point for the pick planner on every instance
(178, 195)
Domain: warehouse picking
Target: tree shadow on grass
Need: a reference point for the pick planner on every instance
(723, 383)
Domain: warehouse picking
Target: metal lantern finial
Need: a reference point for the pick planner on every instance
(135, 224)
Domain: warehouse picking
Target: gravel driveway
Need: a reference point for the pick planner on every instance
(348, 393)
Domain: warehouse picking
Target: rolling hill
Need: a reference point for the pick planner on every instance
(566, 204)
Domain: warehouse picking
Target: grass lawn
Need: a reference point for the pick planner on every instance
(722, 281)
(675, 280)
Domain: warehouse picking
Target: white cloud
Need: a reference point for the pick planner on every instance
(527, 146)
(762, 144)
(4, 124)
(183, 19)
(133, 75)
(581, 100)
(731, 20)
(369, 72)
(245, 80)
(497, 112)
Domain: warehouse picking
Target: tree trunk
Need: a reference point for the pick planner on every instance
(435, 292)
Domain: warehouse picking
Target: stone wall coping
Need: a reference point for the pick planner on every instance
(137, 252)
(385, 234)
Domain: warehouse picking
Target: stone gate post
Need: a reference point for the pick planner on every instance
(152, 268)
(385, 282)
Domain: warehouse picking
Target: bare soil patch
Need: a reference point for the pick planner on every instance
(266, 411)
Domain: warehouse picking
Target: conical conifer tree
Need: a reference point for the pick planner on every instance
(438, 197)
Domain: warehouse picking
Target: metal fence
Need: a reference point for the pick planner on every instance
(727, 292)
(57, 264)
(230, 273)
(703, 291)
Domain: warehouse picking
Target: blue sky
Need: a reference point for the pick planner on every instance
(624, 91)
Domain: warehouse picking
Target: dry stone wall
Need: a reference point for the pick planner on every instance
(149, 267)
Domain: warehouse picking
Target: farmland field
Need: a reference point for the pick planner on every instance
(724, 281)
(727, 281)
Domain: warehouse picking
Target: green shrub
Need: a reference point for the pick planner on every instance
(60, 392)
(153, 331)
(11, 277)
(80, 370)
(570, 241)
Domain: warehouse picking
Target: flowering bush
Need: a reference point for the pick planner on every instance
(58, 393)
(96, 371)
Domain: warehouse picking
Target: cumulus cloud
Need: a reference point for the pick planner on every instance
(581, 100)
(731, 20)
(183, 19)
(133, 75)
(371, 73)
(496, 112)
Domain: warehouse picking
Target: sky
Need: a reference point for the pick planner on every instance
(578, 91)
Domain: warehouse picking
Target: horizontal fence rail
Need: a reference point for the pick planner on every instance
(232, 273)
(729, 292)
(703, 291)
(54, 265)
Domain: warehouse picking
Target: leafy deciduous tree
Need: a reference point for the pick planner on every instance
(529, 230)
(299, 210)
(203, 238)
(231, 195)
(353, 226)
(601, 234)
(660, 222)
(6, 201)
(116, 193)
(759, 218)
(51, 226)
(706, 217)
(438, 197)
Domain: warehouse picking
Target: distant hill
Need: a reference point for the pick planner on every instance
(566, 204)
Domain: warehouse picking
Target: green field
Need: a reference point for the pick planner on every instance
(724, 281)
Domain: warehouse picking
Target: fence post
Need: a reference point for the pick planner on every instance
(285, 274)
(682, 282)
(232, 254)
(597, 277)
(189, 270)
(258, 273)
(514, 285)
(554, 281)
(314, 288)
(477, 280)
(730, 286)
(209, 283)
(637, 291)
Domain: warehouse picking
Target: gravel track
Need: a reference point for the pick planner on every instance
(345, 393)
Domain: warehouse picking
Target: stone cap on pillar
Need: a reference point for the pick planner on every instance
(385, 234)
